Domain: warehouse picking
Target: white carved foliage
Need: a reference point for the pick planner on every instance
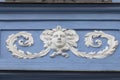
(61, 40)
(29, 42)
(112, 44)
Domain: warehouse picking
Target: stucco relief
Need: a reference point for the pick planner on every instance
(61, 40)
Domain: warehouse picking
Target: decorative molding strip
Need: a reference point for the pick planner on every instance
(61, 40)
(63, 1)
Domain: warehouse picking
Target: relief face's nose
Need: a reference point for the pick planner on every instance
(59, 37)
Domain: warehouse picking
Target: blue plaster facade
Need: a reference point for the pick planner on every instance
(34, 18)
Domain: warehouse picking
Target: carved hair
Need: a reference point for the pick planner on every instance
(71, 36)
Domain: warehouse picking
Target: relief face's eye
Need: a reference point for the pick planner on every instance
(63, 36)
(55, 36)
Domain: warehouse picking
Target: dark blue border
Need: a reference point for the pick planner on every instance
(37, 7)
(43, 75)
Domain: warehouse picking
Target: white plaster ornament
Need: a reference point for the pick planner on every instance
(61, 40)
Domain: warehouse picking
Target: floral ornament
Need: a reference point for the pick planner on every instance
(12, 47)
(108, 50)
(61, 40)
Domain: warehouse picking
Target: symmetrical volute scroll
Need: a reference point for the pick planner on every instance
(29, 42)
(112, 44)
(61, 40)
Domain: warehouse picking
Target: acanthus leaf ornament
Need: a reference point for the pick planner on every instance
(61, 40)
(29, 42)
(108, 50)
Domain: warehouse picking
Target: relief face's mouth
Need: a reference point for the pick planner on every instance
(59, 41)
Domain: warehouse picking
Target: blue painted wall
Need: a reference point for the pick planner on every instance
(116, 0)
(83, 18)
(2, 0)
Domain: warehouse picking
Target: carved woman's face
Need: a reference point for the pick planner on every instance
(59, 39)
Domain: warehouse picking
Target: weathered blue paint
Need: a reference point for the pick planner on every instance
(82, 18)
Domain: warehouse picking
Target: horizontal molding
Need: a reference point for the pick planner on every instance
(17, 75)
(65, 8)
(52, 24)
(57, 17)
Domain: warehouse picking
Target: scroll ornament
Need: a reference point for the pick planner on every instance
(61, 40)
